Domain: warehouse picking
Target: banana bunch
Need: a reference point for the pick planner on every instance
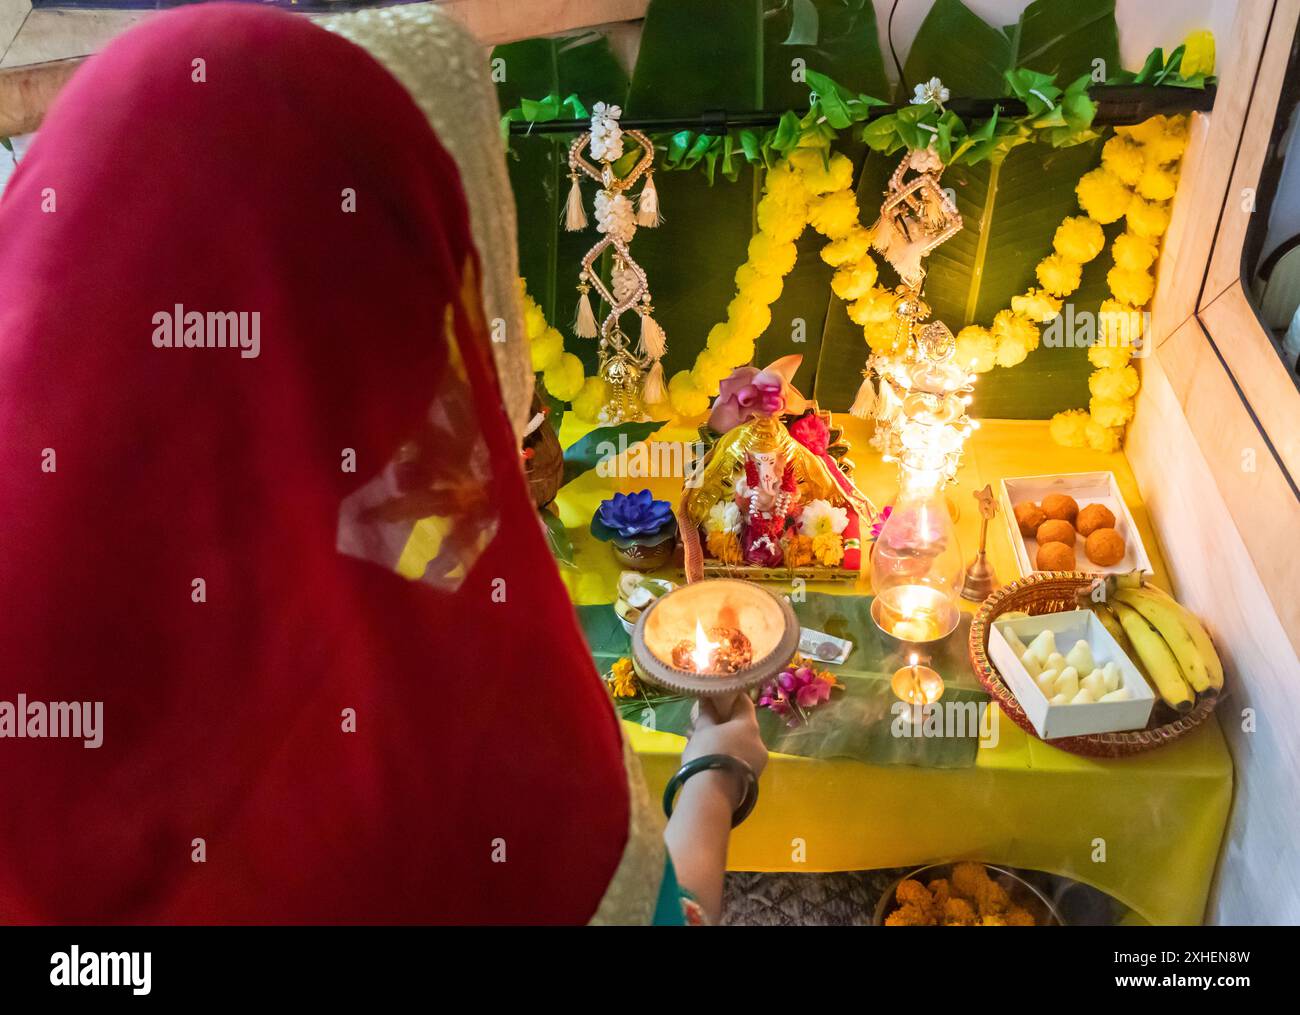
(1164, 639)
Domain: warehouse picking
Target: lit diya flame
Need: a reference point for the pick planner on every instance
(719, 650)
(916, 684)
(703, 650)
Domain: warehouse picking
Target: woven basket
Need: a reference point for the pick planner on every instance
(1054, 592)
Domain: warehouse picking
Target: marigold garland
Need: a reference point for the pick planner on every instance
(814, 187)
(809, 187)
(1135, 182)
(561, 371)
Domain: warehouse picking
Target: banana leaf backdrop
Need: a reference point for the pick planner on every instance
(742, 55)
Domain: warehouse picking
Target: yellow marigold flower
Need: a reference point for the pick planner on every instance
(719, 336)
(748, 318)
(622, 679)
(685, 398)
(1103, 195)
(884, 336)
(976, 349)
(1036, 304)
(1103, 438)
(1102, 354)
(849, 248)
(737, 351)
(1119, 324)
(1131, 287)
(1157, 184)
(799, 551)
(1079, 239)
(1124, 157)
(821, 175)
(1145, 132)
(1107, 412)
(764, 289)
(1198, 54)
(710, 368)
(563, 378)
(1147, 218)
(588, 402)
(1058, 274)
(534, 320)
(771, 257)
(1114, 383)
(877, 305)
(1070, 428)
(834, 214)
(855, 281)
(782, 220)
(545, 349)
(725, 546)
(1009, 352)
(1009, 325)
(1171, 143)
(828, 548)
(784, 182)
(1134, 252)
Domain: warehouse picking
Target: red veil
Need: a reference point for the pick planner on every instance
(206, 159)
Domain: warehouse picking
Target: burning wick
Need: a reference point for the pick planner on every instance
(916, 684)
(720, 650)
(704, 649)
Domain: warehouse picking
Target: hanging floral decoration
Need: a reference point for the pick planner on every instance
(632, 372)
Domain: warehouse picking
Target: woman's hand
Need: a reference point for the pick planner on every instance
(735, 733)
(700, 827)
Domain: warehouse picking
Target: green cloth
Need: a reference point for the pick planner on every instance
(860, 721)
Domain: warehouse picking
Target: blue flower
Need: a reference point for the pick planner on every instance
(628, 515)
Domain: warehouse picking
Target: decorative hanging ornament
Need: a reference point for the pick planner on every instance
(634, 374)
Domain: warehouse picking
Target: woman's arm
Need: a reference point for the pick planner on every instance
(700, 828)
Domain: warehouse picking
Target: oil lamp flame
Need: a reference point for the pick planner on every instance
(702, 654)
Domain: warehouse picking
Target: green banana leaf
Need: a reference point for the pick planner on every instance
(1010, 208)
(581, 66)
(585, 454)
(739, 55)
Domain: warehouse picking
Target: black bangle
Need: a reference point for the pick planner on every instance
(703, 764)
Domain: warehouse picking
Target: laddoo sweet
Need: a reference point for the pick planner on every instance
(1104, 547)
(1055, 557)
(1093, 517)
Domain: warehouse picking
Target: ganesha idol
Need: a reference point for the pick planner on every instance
(770, 500)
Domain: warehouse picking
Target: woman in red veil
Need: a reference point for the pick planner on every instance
(202, 535)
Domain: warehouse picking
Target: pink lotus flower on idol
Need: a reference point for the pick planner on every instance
(747, 393)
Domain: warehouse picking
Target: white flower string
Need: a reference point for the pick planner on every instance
(635, 376)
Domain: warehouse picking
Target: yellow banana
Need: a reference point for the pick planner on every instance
(1183, 633)
(1161, 666)
(1199, 635)
(1114, 628)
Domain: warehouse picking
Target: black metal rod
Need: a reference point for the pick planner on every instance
(1117, 105)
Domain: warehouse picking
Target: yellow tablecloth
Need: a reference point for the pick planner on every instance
(1146, 830)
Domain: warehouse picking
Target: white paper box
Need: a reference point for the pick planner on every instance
(1053, 721)
(1086, 488)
